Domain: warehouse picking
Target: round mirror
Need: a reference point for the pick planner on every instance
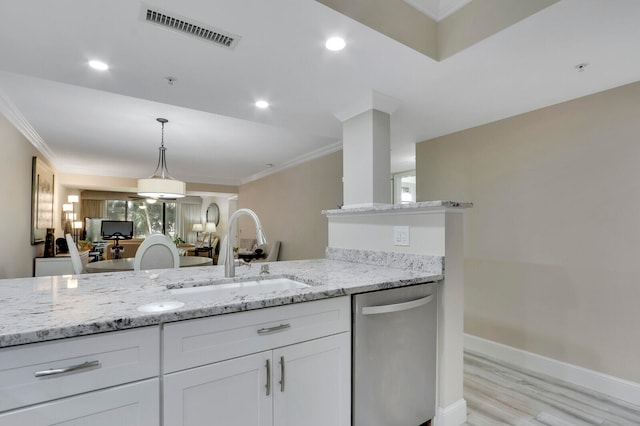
(213, 213)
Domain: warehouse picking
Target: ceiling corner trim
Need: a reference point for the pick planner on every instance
(15, 117)
(438, 9)
(329, 149)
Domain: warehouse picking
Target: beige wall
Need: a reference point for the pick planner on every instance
(553, 241)
(289, 205)
(15, 214)
(478, 20)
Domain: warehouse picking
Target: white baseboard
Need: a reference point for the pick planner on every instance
(452, 415)
(609, 385)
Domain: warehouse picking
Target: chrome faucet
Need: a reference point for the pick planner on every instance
(261, 239)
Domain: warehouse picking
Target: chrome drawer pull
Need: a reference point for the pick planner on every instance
(385, 309)
(71, 368)
(281, 374)
(268, 385)
(273, 329)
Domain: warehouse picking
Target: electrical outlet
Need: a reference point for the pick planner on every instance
(401, 235)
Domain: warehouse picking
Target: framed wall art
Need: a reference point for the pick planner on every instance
(42, 181)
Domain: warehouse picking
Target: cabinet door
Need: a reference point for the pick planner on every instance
(53, 266)
(317, 383)
(226, 393)
(128, 405)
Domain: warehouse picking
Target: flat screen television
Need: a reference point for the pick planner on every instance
(116, 229)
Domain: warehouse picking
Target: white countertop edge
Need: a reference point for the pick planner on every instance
(413, 208)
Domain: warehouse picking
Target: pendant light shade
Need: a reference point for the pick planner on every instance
(161, 184)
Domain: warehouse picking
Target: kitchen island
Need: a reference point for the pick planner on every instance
(125, 346)
(47, 308)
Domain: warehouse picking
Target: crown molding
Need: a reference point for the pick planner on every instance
(329, 149)
(15, 117)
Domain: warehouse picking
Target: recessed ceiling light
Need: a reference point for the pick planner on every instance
(98, 65)
(262, 104)
(335, 44)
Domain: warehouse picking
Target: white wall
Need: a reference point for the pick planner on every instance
(553, 241)
(376, 232)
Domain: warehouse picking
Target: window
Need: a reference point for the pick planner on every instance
(404, 187)
(159, 217)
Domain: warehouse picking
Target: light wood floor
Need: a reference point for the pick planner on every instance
(499, 395)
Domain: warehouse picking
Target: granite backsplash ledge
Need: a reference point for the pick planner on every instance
(406, 261)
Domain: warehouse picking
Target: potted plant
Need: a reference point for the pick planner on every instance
(85, 245)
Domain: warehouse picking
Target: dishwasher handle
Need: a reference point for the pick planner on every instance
(397, 307)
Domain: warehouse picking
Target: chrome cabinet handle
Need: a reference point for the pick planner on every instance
(268, 385)
(281, 374)
(71, 368)
(273, 329)
(384, 309)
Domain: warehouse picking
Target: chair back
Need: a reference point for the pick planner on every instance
(76, 260)
(157, 251)
(274, 250)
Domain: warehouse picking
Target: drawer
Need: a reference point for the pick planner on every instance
(136, 404)
(36, 372)
(198, 342)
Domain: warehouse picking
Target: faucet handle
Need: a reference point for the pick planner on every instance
(264, 269)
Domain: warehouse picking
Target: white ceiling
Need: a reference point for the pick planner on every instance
(104, 123)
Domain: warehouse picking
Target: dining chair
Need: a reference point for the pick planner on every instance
(273, 250)
(77, 261)
(157, 251)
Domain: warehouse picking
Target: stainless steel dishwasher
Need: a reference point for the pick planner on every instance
(394, 356)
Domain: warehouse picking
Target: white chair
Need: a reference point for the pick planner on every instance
(157, 251)
(78, 261)
(272, 252)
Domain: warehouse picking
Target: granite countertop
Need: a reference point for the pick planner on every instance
(48, 308)
(399, 208)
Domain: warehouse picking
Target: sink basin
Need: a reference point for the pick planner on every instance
(242, 288)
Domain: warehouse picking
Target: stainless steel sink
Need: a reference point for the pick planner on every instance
(241, 288)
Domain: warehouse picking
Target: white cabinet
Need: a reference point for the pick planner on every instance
(231, 392)
(109, 378)
(282, 366)
(46, 266)
(128, 405)
(312, 383)
(303, 384)
(288, 380)
(58, 265)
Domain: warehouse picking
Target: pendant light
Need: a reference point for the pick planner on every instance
(161, 184)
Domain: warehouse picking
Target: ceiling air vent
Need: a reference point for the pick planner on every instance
(191, 28)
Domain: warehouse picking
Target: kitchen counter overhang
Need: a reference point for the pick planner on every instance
(48, 308)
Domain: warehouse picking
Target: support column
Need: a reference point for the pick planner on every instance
(366, 159)
(366, 144)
